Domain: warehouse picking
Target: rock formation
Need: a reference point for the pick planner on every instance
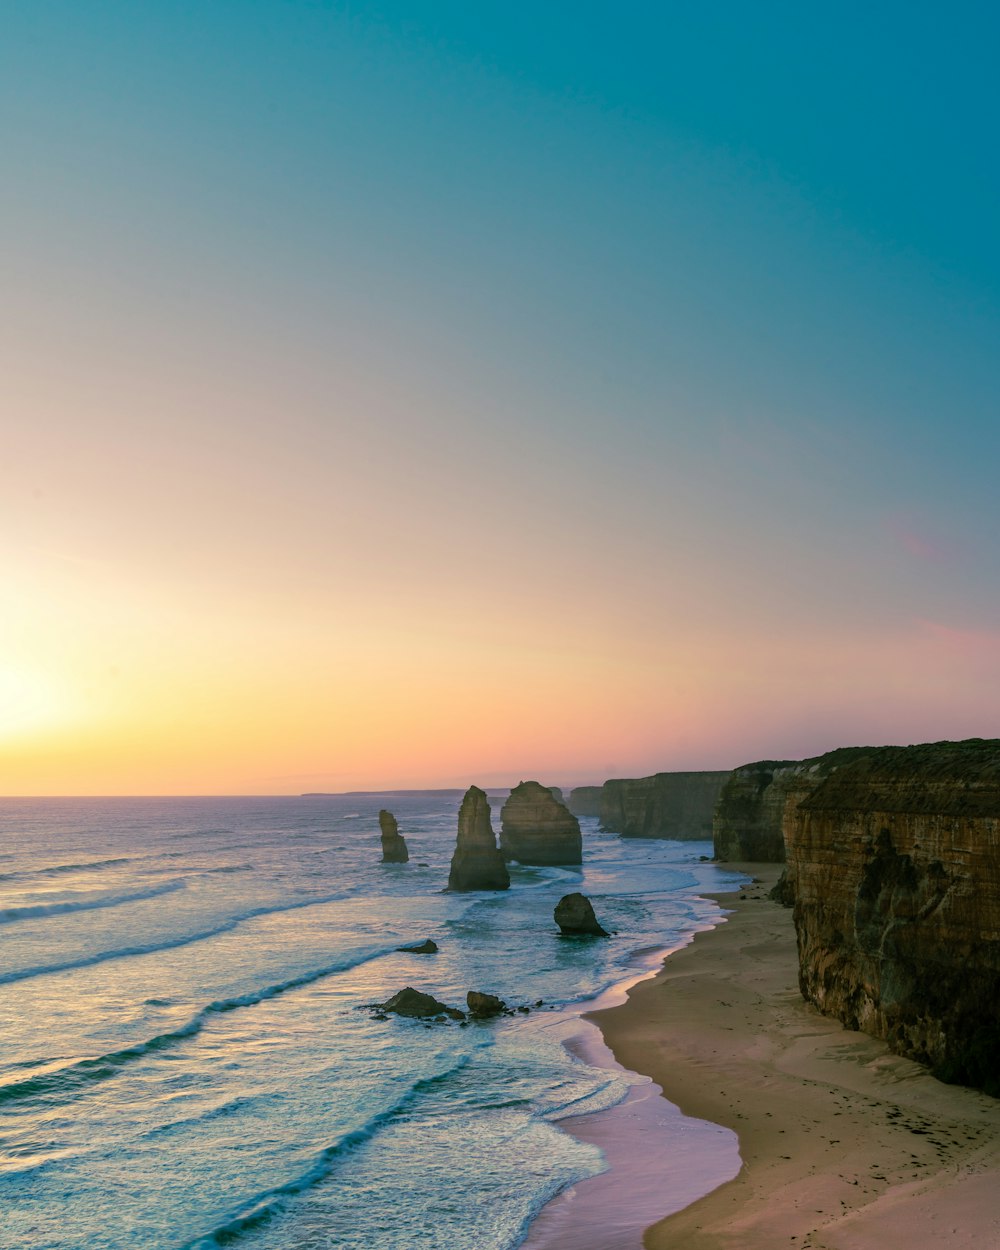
(759, 799)
(393, 843)
(411, 1002)
(894, 862)
(585, 800)
(537, 829)
(484, 1006)
(666, 805)
(477, 864)
(429, 947)
(574, 913)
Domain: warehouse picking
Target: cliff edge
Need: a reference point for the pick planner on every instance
(759, 799)
(894, 860)
(666, 805)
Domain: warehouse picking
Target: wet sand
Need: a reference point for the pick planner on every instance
(844, 1146)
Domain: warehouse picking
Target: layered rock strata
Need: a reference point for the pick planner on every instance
(477, 863)
(895, 865)
(585, 800)
(759, 799)
(666, 805)
(393, 843)
(536, 828)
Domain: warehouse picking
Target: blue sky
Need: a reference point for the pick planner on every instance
(692, 307)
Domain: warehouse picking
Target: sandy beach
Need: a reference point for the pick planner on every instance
(844, 1146)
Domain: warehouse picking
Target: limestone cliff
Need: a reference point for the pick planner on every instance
(666, 805)
(535, 828)
(393, 843)
(476, 863)
(895, 864)
(585, 800)
(758, 799)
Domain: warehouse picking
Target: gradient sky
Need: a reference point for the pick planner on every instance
(419, 394)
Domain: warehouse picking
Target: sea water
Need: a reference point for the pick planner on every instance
(187, 1052)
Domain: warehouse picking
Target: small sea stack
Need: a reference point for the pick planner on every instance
(477, 863)
(536, 828)
(393, 843)
(574, 914)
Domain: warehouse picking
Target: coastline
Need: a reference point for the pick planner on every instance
(840, 1140)
(639, 1136)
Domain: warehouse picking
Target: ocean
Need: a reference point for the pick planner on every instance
(188, 1058)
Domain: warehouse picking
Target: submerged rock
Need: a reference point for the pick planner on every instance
(536, 828)
(393, 843)
(477, 864)
(575, 914)
(484, 1006)
(420, 1006)
(420, 948)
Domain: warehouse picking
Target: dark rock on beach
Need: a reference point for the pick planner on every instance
(574, 914)
(420, 948)
(536, 828)
(477, 863)
(484, 1006)
(393, 843)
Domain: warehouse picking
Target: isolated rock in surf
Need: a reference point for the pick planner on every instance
(411, 1002)
(484, 1006)
(477, 864)
(393, 843)
(536, 828)
(574, 914)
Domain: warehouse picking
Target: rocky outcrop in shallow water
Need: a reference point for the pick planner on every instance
(574, 914)
(418, 1006)
(758, 799)
(537, 829)
(484, 1006)
(393, 843)
(666, 805)
(477, 863)
(894, 862)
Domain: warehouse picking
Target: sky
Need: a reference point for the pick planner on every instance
(419, 394)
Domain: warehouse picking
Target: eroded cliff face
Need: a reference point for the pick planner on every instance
(666, 805)
(535, 828)
(477, 863)
(895, 865)
(759, 799)
(585, 800)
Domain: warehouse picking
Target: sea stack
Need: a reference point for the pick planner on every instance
(393, 843)
(575, 914)
(537, 829)
(477, 864)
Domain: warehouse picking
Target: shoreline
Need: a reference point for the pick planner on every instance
(637, 1136)
(841, 1141)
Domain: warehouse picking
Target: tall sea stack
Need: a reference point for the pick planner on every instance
(477, 864)
(393, 843)
(537, 829)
